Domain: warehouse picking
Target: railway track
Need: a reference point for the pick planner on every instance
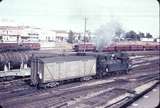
(127, 102)
(105, 95)
(14, 81)
(57, 97)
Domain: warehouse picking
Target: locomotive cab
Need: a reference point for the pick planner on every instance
(112, 63)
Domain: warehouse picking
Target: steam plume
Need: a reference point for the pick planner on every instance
(105, 33)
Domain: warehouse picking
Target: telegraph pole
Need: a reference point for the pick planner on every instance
(85, 25)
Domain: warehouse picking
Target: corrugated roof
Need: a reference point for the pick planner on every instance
(65, 58)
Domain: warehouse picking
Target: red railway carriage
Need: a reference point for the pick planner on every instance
(18, 47)
(131, 46)
(32, 46)
(122, 47)
(109, 49)
(158, 46)
(151, 46)
(8, 46)
(86, 46)
(136, 48)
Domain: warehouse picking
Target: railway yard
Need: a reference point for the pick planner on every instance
(83, 54)
(114, 91)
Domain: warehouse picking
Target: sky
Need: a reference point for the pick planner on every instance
(137, 15)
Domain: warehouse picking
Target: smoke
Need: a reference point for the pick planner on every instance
(105, 33)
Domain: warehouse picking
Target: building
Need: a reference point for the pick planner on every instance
(21, 34)
(61, 35)
(25, 34)
(10, 33)
(147, 39)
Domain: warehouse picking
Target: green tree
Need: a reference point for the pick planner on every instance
(141, 35)
(132, 35)
(71, 37)
(148, 35)
(79, 36)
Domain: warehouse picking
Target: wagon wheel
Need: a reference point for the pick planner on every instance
(126, 71)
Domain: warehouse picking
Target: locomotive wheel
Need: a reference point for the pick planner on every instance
(121, 72)
(109, 74)
(107, 70)
(118, 73)
(100, 75)
(8, 78)
(126, 71)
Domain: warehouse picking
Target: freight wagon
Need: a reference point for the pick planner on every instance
(60, 68)
(49, 72)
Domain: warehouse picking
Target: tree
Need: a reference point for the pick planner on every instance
(87, 39)
(131, 35)
(141, 35)
(148, 35)
(79, 36)
(71, 37)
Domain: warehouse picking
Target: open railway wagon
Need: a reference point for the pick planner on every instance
(52, 71)
(14, 64)
(17, 64)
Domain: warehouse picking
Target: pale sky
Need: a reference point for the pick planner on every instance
(137, 15)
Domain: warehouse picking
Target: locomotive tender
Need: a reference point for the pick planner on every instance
(49, 72)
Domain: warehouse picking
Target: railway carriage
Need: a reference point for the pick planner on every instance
(87, 47)
(18, 46)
